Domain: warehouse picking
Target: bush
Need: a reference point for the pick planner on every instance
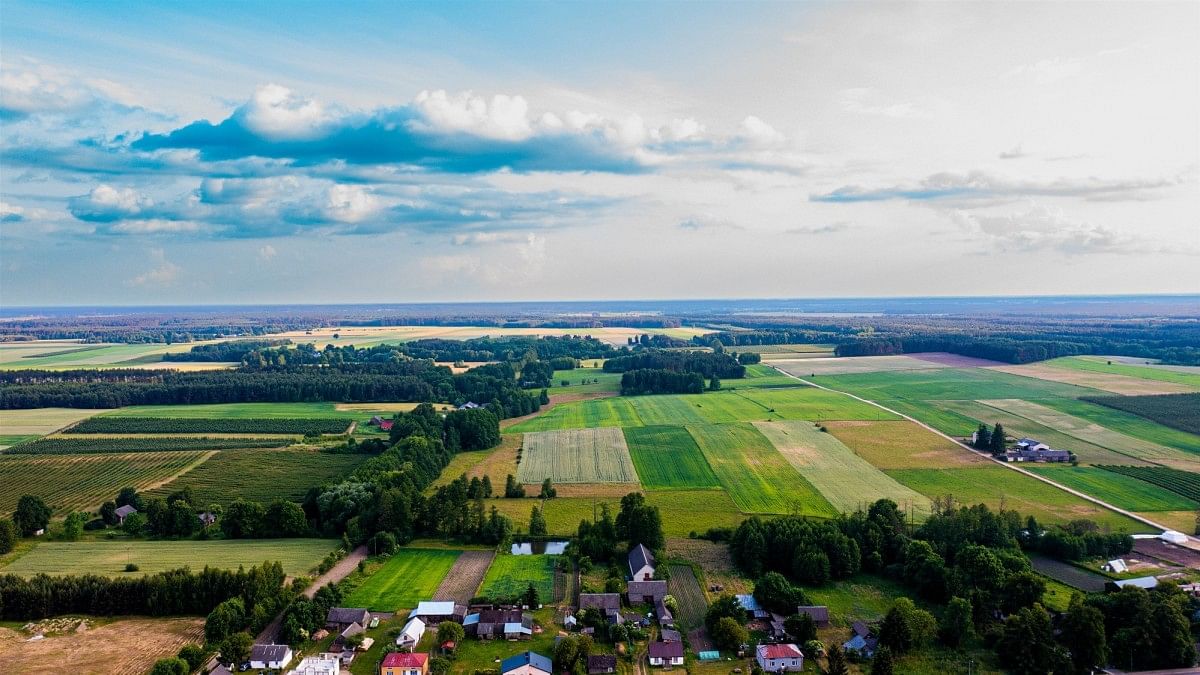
(131, 567)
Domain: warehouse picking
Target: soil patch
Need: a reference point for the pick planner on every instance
(123, 646)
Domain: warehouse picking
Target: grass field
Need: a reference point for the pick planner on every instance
(1099, 364)
(509, 576)
(604, 412)
(847, 480)
(262, 475)
(754, 474)
(1129, 424)
(810, 403)
(405, 578)
(1119, 490)
(460, 464)
(683, 511)
(997, 485)
(298, 556)
(576, 456)
(1114, 383)
(41, 421)
(1183, 483)
(950, 384)
(860, 598)
(761, 376)
(668, 458)
(243, 411)
(902, 445)
(583, 380)
(74, 482)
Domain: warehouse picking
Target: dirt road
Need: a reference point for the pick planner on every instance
(336, 573)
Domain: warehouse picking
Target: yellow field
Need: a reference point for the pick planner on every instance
(1110, 382)
(902, 445)
(385, 407)
(374, 335)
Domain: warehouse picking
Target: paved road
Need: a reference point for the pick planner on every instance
(336, 573)
(1006, 465)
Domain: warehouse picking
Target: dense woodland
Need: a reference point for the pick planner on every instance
(233, 351)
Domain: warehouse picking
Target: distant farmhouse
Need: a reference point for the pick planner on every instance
(1031, 450)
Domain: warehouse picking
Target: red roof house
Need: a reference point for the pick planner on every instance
(404, 663)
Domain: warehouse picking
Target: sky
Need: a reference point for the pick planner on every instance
(304, 152)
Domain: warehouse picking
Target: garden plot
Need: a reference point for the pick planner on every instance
(576, 456)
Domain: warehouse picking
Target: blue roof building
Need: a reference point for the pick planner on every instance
(526, 663)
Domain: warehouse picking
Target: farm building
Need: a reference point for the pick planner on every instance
(526, 663)
(668, 635)
(646, 592)
(376, 420)
(507, 624)
(818, 613)
(469, 405)
(1173, 537)
(340, 618)
(641, 563)
(750, 604)
(207, 519)
(1139, 582)
(437, 612)
(779, 658)
(601, 663)
(863, 642)
(124, 512)
(386, 425)
(401, 663)
(609, 604)
(1031, 450)
(321, 664)
(349, 632)
(1117, 566)
(270, 656)
(665, 654)
(411, 634)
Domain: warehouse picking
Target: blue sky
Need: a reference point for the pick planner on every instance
(320, 152)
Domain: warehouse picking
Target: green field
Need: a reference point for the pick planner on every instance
(298, 556)
(407, 577)
(241, 410)
(1178, 411)
(262, 475)
(509, 576)
(60, 354)
(1129, 424)
(668, 458)
(760, 376)
(1183, 483)
(605, 412)
(950, 384)
(608, 382)
(754, 474)
(847, 480)
(63, 445)
(1099, 364)
(75, 482)
(810, 403)
(213, 425)
(576, 456)
(683, 511)
(997, 485)
(1122, 491)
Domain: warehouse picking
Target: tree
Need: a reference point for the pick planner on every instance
(639, 523)
(999, 442)
(714, 383)
(801, 627)
(530, 597)
(171, 666)
(513, 489)
(449, 631)
(1026, 645)
(1083, 636)
(439, 665)
(1022, 589)
(983, 437)
(225, 619)
(31, 515)
(243, 519)
(487, 486)
(73, 525)
(235, 649)
(285, 519)
(129, 497)
(567, 654)
(956, 626)
(548, 491)
(135, 524)
(776, 594)
(194, 656)
(726, 606)
(537, 523)
(882, 663)
(905, 627)
(8, 536)
(108, 513)
(835, 660)
(729, 633)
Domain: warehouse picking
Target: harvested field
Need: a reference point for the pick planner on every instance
(842, 365)
(1181, 521)
(109, 558)
(464, 578)
(1068, 574)
(690, 596)
(41, 421)
(902, 445)
(262, 475)
(714, 562)
(379, 408)
(122, 646)
(1110, 382)
(668, 458)
(1157, 548)
(501, 462)
(589, 490)
(406, 577)
(954, 360)
(847, 480)
(576, 456)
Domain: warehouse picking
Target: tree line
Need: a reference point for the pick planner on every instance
(223, 352)
(706, 364)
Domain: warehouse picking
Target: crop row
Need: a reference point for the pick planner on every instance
(181, 425)
(59, 445)
(1184, 483)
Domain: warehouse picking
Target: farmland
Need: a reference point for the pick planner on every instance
(262, 475)
(835, 365)
(1179, 411)
(576, 456)
(71, 482)
(584, 380)
(683, 511)
(510, 575)
(810, 403)
(901, 445)
(1183, 483)
(1129, 423)
(61, 445)
(218, 425)
(756, 476)
(1099, 364)
(298, 556)
(124, 646)
(40, 421)
(1120, 490)
(847, 480)
(1111, 382)
(950, 384)
(668, 458)
(464, 578)
(249, 410)
(686, 589)
(405, 578)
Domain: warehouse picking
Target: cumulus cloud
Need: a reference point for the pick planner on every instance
(162, 273)
(758, 132)
(105, 204)
(979, 185)
(29, 87)
(11, 213)
(1042, 228)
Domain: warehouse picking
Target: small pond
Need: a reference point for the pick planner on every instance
(539, 548)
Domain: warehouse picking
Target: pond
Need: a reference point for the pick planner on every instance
(539, 548)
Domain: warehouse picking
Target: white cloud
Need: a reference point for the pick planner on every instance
(1039, 227)
(163, 273)
(279, 113)
(108, 203)
(350, 203)
(759, 132)
(29, 87)
(10, 212)
(266, 252)
(504, 117)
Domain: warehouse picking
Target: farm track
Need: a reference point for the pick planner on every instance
(335, 574)
(463, 579)
(1098, 502)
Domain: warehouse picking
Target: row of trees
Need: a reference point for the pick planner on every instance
(707, 364)
(660, 381)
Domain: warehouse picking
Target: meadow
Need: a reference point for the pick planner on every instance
(756, 476)
(811, 403)
(584, 380)
(408, 576)
(847, 480)
(667, 457)
(1099, 364)
(217, 425)
(262, 475)
(576, 456)
(75, 482)
(510, 575)
(950, 384)
(61, 445)
(1122, 491)
(109, 558)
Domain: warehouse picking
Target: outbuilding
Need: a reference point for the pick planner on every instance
(275, 657)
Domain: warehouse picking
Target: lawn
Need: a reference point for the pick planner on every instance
(847, 480)
(756, 476)
(997, 485)
(667, 457)
(298, 556)
(262, 475)
(510, 575)
(405, 578)
(576, 456)
(1119, 490)
(902, 445)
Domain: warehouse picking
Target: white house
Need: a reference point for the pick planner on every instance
(779, 658)
(1117, 566)
(664, 654)
(275, 657)
(411, 634)
(321, 664)
(641, 563)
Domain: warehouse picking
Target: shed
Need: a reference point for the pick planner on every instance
(665, 653)
(411, 634)
(818, 613)
(124, 512)
(270, 656)
(601, 663)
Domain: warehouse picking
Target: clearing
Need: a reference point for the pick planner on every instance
(405, 578)
(667, 458)
(109, 558)
(576, 456)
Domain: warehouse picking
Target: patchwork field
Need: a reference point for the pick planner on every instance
(510, 575)
(73, 482)
(66, 354)
(109, 558)
(1105, 381)
(576, 456)
(1132, 424)
(1122, 491)
(847, 480)
(902, 445)
(756, 476)
(365, 336)
(668, 458)
(1183, 483)
(950, 384)
(262, 475)
(405, 578)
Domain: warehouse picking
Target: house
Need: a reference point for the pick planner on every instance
(386, 425)
(508, 624)
(779, 658)
(401, 663)
(641, 563)
(1117, 566)
(526, 663)
(750, 604)
(124, 512)
(863, 642)
(1031, 445)
(1140, 582)
(668, 635)
(437, 612)
(645, 592)
(662, 613)
(469, 405)
(818, 613)
(275, 657)
(349, 632)
(601, 663)
(608, 604)
(321, 664)
(207, 519)
(665, 654)
(376, 420)
(338, 618)
(411, 634)
(1037, 456)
